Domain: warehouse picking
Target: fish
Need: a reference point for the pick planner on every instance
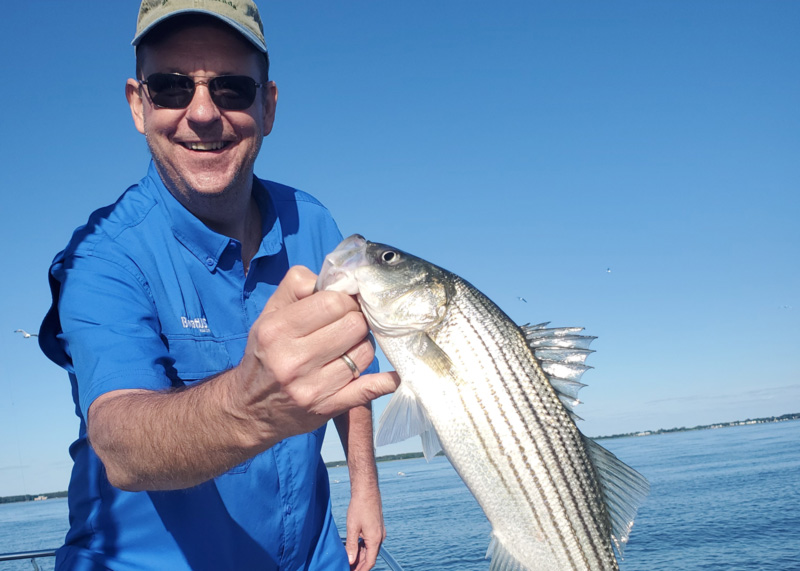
(497, 399)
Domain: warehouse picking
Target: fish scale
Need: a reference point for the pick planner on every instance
(473, 386)
(472, 316)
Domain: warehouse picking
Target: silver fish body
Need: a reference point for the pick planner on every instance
(473, 386)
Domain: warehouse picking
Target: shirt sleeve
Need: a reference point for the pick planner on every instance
(107, 327)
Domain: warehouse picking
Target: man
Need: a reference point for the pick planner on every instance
(203, 364)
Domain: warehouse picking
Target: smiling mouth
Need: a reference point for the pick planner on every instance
(205, 147)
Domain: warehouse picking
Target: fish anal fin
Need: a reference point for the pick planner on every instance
(504, 560)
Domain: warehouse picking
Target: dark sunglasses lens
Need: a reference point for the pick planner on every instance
(170, 90)
(235, 92)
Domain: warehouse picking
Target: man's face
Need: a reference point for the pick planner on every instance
(203, 151)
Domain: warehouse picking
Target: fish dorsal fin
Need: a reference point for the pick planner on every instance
(562, 354)
(624, 490)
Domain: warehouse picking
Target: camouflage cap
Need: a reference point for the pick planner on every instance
(241, 15)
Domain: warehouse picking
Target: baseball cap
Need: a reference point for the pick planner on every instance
(241, 15)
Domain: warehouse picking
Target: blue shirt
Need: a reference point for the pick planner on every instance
(145, 296)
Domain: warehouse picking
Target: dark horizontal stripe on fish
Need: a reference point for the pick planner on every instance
(478, 326)
(569, 466)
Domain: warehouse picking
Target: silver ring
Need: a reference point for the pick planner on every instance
(346, 358)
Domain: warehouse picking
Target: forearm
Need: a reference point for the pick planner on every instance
(365, 514)
(355, 431)
(152, 440)
(290, 381)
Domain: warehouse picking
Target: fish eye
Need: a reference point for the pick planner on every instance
(390, 257)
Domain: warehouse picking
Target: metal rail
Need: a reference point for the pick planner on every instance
(387, 558)
(27, 555)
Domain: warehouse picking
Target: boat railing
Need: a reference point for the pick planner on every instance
(384, 556)
(32, 555)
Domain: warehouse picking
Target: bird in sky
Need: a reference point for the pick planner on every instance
(25, 334)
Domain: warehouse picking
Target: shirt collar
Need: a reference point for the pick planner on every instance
(205, 244)
(271, 230)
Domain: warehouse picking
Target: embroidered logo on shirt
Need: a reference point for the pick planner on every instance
(199, 323)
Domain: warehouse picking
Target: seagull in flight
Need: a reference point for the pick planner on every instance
(25, 334)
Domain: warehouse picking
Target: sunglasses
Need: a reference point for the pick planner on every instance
(175, 90)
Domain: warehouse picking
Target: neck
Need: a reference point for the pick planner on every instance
(232, 213)
(245, 227)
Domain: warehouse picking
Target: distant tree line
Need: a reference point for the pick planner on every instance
(30, 498)
(387, 458)
(767, 419)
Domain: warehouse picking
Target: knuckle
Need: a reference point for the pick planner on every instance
(334, 303)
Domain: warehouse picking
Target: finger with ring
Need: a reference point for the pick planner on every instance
(350, 363)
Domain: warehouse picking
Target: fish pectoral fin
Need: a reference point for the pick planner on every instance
(624, 490)
(403, 418)
(430, 444)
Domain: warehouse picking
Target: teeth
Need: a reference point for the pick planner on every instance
(215, 146)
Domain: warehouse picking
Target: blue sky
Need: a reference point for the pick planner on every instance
(528, 146)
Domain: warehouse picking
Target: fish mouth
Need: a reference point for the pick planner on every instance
(338, 269)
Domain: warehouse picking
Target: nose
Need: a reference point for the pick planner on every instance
(201, 108)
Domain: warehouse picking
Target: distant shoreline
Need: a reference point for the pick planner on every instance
(412, 455)
(749, 421)
(32, 498)
(765, 420)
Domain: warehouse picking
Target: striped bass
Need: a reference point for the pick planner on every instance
(497, 399)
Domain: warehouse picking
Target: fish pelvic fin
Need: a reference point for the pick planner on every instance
(624, 489)
(403, 418)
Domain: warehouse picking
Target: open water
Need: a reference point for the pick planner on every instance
(725, 499)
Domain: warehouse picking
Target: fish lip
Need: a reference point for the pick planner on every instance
(337, 273)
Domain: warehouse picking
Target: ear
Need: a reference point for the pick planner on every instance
(133, 93)
(270, 103)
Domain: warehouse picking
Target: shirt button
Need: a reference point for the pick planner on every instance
(209, 262)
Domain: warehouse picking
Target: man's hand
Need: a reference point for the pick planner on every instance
(292, 374)
(365, 522)
(290, 381)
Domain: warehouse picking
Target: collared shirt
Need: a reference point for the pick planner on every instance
(147, 297)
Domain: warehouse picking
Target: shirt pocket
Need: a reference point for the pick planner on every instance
(194, 359)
